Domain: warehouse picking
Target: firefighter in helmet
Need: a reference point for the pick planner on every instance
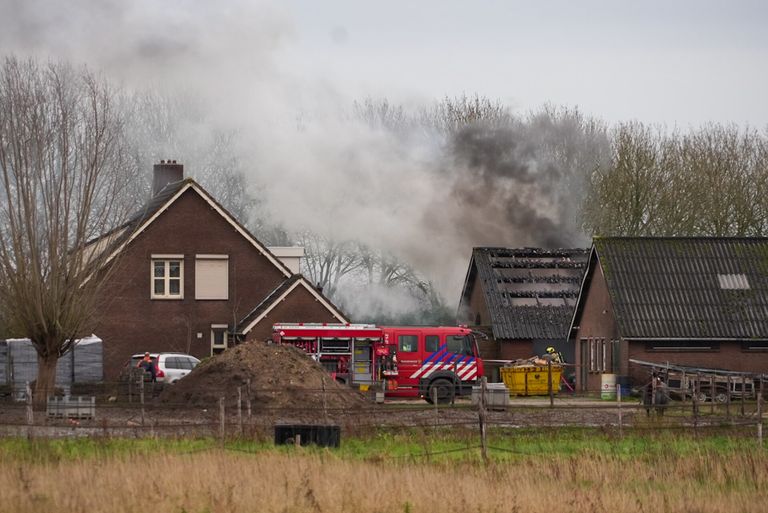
(554, 355)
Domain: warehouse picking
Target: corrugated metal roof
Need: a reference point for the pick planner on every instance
(530, 292)
(694, 288)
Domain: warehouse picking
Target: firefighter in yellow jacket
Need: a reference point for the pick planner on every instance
(554, 355)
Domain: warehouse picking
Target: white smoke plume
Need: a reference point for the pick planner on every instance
(424, 195)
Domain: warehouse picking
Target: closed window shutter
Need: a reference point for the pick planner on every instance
(211, 278)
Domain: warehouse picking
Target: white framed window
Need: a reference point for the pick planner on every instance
(167, 272)
(604, 359)
(218, 338)
(598, 355)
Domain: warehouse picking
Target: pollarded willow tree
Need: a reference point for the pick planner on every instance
(63, 168)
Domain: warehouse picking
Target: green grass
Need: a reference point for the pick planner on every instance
(421, 444)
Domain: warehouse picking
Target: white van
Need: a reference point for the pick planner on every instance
(169, 367)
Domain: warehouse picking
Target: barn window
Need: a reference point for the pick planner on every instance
(598, 355)
(754, 345)
(682, 345)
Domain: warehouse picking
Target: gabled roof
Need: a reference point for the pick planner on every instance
(276, 296)
(530, 292)
(160, 203)
(686, 288)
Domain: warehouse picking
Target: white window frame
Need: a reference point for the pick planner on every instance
(603, 366)
(214, 329)
(167, 259)
(598, 355)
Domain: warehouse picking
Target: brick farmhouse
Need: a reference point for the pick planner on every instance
(190, 278)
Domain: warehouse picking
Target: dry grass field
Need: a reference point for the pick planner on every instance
(280, 481)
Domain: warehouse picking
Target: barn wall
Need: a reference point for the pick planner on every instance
(729, 356)
(597, 322)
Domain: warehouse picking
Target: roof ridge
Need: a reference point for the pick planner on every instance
(682, 237)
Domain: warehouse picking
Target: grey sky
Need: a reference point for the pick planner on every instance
(679, 62)
(673, 62)
(282, 72)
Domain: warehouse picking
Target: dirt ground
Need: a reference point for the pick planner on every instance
(159, 419)
(275, 384)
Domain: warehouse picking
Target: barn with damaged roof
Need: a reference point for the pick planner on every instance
(523, 299)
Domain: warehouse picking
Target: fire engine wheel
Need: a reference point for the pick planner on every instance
(721, 397)
(442, 389)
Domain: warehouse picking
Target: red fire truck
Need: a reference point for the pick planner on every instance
(429, 362)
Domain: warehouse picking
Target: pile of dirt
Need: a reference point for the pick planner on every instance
(280, 377)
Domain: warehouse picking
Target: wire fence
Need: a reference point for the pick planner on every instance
(141, 409)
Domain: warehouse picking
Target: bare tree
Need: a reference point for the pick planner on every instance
(62, 165)
(710, 181)
(162, 126)
(624, 193)
(381, 114)
(453, 114)
(327, 261)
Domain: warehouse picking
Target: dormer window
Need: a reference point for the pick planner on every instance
(167, 277)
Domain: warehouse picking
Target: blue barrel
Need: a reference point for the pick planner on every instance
(625, 384)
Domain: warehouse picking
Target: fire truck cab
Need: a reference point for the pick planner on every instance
(435, 363)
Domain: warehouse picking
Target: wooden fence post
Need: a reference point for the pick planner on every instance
(30, 411)
(728, 397)
(437, 409)
(618, 404)
(248, 394)
(456, 383)
(549, 384)
(141, 396)
(325, 404)
(222, 426)
(760, 415)
(482, 417)
(696, 391)
(240, 410)
(712, 394)
(743, 392)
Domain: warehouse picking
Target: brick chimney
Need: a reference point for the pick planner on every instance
(167, 171)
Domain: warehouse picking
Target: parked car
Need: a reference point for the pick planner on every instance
(169, 367)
